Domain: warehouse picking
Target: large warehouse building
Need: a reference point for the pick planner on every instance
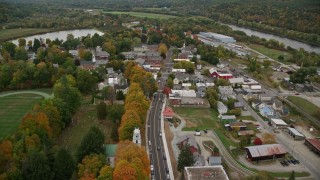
(266, 151)
(218, 37)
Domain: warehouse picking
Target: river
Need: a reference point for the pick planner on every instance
(61, 35)
(287, 42)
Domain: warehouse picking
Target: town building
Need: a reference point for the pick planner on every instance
(266, 151)
(246, 133)
(313, 145)
(220, 74)
(168, 113)
(222, 109)
(218, 37)
(295, 134)
(236, 81)
(228, 118)
(205, 172)
(265, 97)
(225, 90)
(238, 126)
(190, 140)
(110, 152)
(278, 123)
(136, 136)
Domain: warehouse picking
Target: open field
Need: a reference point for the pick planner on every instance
(304, 104)
(12, 109)
(6, 34)
(197, 118)
(143, 15)
(83, 120)
(272, 53)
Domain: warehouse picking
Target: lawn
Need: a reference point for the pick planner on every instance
(197, 118)
(6, 34)
(272, 53)
(143, 15)
(12, 109)
(83, 120)
(304, 104)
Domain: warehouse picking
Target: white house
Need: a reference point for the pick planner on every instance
(222, 109)
(136, 136)
(185, 93)
(265, 97)
(278, 123)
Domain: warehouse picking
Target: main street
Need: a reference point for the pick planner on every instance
(155, 142)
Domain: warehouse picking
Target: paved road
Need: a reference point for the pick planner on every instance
(157, 152)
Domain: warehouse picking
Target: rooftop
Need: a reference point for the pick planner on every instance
(205, 173)
(266, 150)
(278, 121)
(295, 132)
(111, 149)
(315, 143)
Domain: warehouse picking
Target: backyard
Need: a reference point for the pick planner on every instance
(12, 109)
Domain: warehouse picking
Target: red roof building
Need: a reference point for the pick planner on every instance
(168, 113)
(266, 151)
(220, 74)
(313, 145)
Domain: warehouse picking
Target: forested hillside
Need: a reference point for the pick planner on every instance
(294, 19)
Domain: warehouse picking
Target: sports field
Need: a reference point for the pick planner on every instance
(12, 109)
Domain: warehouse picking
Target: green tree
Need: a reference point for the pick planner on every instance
(86, 82)
(9, 47)
(185, 158)
(105, 173)
(101, 110)
(170, 82)
(22, 42)
(91, 143)
(280, 58)
(36, 44)
(65, 90)
(36, 167)
(63, 165)
(87, 56)
(120, 95)
(115, 112)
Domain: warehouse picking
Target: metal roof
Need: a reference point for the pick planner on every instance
(315, 143)
(266, 150)
(295, 132)
(279, 122)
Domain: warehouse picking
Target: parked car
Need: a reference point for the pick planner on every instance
(197, 133)
(158, 148)
(164, 157)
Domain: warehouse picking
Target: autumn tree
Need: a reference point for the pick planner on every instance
(257, 141)
(163, 49)
(185, 158)
(129, 121)
(124, 170)
(105, 173)
(268, 138)
(170, 82)
(110, 48)
(266, 64)
(22, 42)
(63, 165)
(91, 164)
(91, 143)
(133, 157)
(6, 156)
(244, 141)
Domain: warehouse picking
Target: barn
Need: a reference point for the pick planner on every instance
(266, 151)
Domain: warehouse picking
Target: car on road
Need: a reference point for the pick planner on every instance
(158, 148)
(297, 94)
(164, 157)
(160, 134)
(167, 170)
(149, 143)
(151, 167)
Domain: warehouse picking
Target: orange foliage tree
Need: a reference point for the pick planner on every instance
(129, 121)
(134, 156)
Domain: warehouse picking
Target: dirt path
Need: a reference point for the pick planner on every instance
(45, 95)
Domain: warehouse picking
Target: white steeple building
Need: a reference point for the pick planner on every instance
(136, 136)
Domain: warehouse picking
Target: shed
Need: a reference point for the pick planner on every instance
(238, 126)
(110, 151)
(266, 151)
(168, 113)
(295, 134)
(228, 118)
(278, 123)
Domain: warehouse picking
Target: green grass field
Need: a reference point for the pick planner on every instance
(6, 34)
(272, 53)
(304, 104)
(12, 109)
(197, 118)
(143, 15)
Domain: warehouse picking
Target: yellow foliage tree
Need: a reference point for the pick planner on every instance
(268, 138)
(91, 165)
